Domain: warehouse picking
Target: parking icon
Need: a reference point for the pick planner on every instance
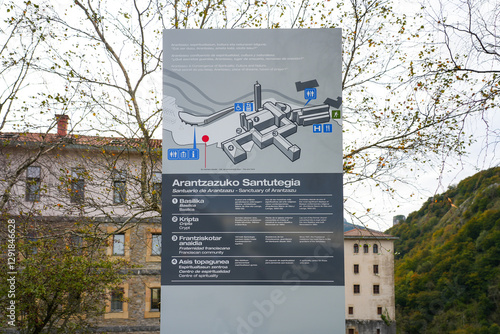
(317, 128)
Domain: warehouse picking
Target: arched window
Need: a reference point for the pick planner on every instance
(356, 248)
(375, 248)
(365, 248)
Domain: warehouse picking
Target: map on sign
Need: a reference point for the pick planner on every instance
(238, 128)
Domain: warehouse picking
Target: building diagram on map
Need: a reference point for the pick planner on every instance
(271, 123)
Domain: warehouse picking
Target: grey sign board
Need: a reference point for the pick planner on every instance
(252, 182)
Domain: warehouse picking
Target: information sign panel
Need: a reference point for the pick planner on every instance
(252, 182)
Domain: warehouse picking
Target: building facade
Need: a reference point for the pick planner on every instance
(369, 282)
(61, 178)
(63, 184)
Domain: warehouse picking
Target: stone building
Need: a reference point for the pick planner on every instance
(369, 282)
(58, 180)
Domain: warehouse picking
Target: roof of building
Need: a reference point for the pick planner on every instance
(358, 233)
(50, 138)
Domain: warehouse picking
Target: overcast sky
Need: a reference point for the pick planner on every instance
(483, 154)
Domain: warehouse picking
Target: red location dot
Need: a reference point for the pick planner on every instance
(205, 139)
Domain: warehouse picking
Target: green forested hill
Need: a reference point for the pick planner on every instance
(448, 261)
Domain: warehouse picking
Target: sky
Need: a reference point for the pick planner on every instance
(430, 180)
(481, 155)
(446, 171)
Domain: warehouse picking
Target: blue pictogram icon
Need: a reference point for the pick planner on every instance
(310, 94)
(327, 128)
(172, 154)
(183, 154)
(238, 107)
(317, 128)
(248, 106)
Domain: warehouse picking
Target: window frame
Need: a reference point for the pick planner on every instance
(116, 242)
(150, 257)
(148, 312)
(116, 298)
(119, 192)
(356, 289)
(366, 249)
(375, 269)
(32, 240)
(155, 301)
(356, 268)
(77, 185)
(119, 186)
(376, 289)
(76, 243)
(356, 248)
(113, 314)
(33, 184)
(375, 248)
(111, 231)
(158, 245)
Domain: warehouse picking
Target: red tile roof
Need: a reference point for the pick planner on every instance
(27, 137)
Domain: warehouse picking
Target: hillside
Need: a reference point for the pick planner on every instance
(448, 261)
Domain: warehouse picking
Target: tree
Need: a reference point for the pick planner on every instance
(468, 35)
(103, 60)
(18, 55)
(448, 260)
(68, 282)
(387, 128)
(463, 77)
(62, 278)
(384, 130)
(60, 241)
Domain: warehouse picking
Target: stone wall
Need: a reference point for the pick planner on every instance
(369, 326)
(145, 273)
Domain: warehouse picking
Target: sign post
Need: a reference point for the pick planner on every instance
(252, 218)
